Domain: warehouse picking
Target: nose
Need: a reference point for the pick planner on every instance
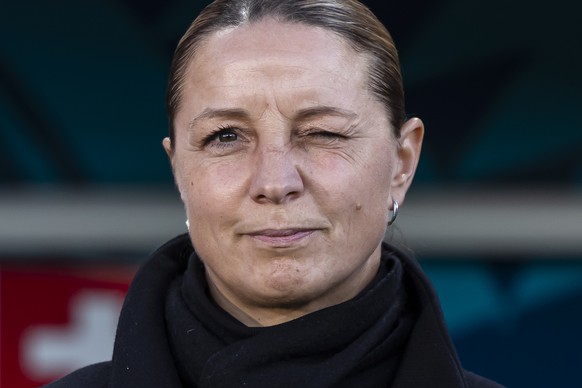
(276, 178)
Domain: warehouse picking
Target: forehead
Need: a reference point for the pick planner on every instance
(271, 34)
(298, 46)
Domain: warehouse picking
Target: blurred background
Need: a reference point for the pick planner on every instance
(494, 216)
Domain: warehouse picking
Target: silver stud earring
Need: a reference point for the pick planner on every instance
(188, 224)
(394, 212)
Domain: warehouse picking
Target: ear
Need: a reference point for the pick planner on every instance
(408, 153)
(167, 143)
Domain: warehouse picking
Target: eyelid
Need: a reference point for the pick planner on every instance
(325, 132)
(320, 131)
(213, 135)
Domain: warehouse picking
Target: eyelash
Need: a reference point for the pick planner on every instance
(212, 139)
(213, 136)
(326, 134)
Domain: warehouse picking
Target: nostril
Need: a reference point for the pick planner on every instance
(261, 199)
(275, 178)
(277, 192)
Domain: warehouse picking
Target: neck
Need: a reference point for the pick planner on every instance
(253, 315)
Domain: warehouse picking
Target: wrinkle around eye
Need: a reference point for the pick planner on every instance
(335, 151)
(218, 147)
(222, 140)
(321, 137)
(346, 143)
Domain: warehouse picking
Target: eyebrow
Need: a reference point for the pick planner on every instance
(210, 113)
(241, 114)
(308, 113)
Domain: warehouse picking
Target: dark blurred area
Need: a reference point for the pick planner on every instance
(494, 215)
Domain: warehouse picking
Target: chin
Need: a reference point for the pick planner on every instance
(298, 293)
(286, 280)
(286, 289)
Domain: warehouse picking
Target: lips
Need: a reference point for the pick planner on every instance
(281, 237)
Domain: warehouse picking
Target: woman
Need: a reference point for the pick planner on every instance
(291, 152)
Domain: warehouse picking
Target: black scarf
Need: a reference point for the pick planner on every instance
(171, 335)
(357, 343)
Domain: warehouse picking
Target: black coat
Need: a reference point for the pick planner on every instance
(170, 334)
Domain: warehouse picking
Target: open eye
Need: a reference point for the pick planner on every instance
(221, 135)
(225, 137)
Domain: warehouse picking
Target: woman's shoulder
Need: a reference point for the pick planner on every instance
(92, 376)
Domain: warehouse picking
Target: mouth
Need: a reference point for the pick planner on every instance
(281, 237)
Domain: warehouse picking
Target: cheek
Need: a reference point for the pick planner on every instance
(368, 202)
(379, 177)
(364, 182)
(212, 188)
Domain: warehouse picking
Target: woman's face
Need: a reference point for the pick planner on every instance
(287, 167)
